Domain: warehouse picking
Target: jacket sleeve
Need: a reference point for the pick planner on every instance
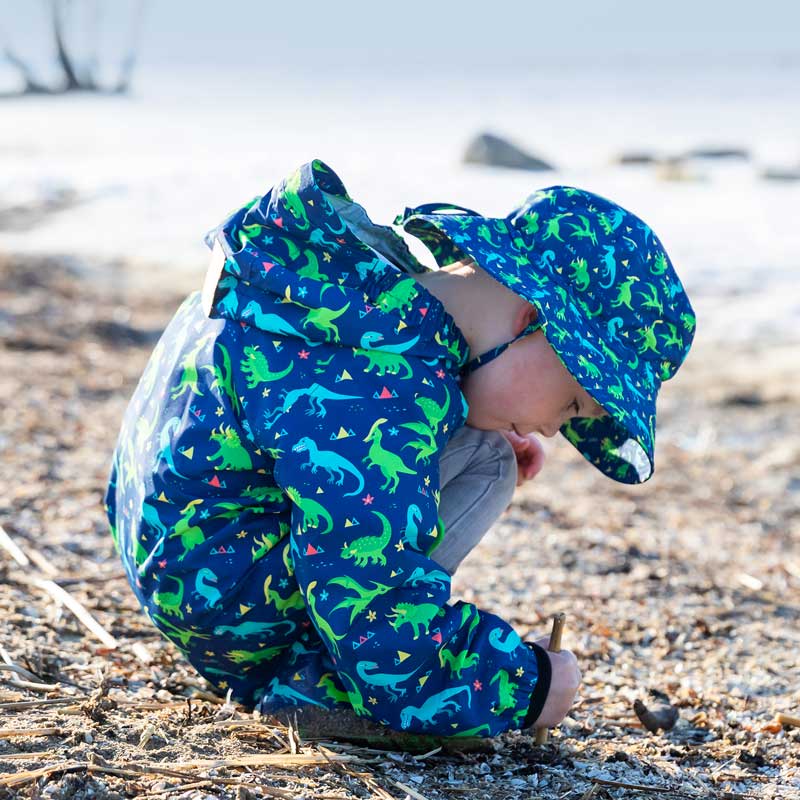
(363, 480)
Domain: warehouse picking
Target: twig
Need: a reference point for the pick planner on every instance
(24, 705)
(413, 792)
(64, 597)
(369, 782)
(8, 733)
(788, 719)
(58, 593)
(554, 646)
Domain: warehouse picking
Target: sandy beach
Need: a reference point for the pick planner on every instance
(685, 591)
(682, 594)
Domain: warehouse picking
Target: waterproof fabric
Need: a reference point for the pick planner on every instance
(609, 300)
(274, 490)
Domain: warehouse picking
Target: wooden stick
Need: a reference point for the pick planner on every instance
(788, 719)
(554, 646)
(58, 593)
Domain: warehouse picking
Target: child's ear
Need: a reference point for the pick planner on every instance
(525, 314)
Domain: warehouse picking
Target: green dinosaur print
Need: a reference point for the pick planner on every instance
(581, 273)
(660, 264)
(485, 234)
(434, 413)
(190, 535)
(616, 390)
(623, 297)
(184, 635)
(425, 447)
(354, 696)
(589, 368)
(369, 549)
(363, 596)
(256, 369)
(402, 294)
(322, 624)
(169, 602)
(311, 268)
(390, 464)
(651, 299)
(458, 662)
(688, 321)
(478, 730)
(234, 456)
(189, 375)
(331, 690)
(453, 346)
(264, 494)
(672, 338)
(223, 379)
(505, 700)
(310, 511)
(262, 545)
(254, 656)
(610, 354)
(572, 435)
(552, 228)
(647, 338)
(584, 230)
(435, 704)
(294, 204)
(330, 461)
(531, 224)
(320, 318)
(382, 360)
(294, 602)
(417, 615)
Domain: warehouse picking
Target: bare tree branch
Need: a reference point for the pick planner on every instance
(64, 60)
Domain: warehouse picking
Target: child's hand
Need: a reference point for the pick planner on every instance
(529, 453)
(564, 683)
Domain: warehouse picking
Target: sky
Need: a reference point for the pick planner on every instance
(421, 41)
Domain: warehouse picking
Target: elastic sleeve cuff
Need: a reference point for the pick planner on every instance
(542, 684)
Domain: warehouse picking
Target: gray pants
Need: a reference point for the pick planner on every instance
(477, 478)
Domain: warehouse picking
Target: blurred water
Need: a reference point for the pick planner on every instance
(158, 168)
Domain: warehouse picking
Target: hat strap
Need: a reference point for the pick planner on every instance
(490, 355)
(430, 208)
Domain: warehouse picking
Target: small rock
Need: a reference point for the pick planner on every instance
(781, 174)
(718, 152)
(635, 157)
(493, 151)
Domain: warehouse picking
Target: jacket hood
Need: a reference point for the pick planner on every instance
(304, 260)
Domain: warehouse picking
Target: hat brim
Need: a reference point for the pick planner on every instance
(621, 444)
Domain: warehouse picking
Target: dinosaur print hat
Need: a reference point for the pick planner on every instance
(610, 305)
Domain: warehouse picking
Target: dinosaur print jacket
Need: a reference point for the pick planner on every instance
(274, 490)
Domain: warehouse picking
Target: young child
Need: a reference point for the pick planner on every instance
(321, 437)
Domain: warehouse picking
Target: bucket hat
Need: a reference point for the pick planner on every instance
(608, 299)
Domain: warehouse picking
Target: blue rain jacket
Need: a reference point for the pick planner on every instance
(274, 489)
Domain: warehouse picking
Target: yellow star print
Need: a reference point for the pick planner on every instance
(241, 534)
(520, 672)
(265, 393)
(399, 546)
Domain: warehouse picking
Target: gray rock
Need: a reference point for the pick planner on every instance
(718, 152)
(781, 174)
(635, 157)
(491, 150)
